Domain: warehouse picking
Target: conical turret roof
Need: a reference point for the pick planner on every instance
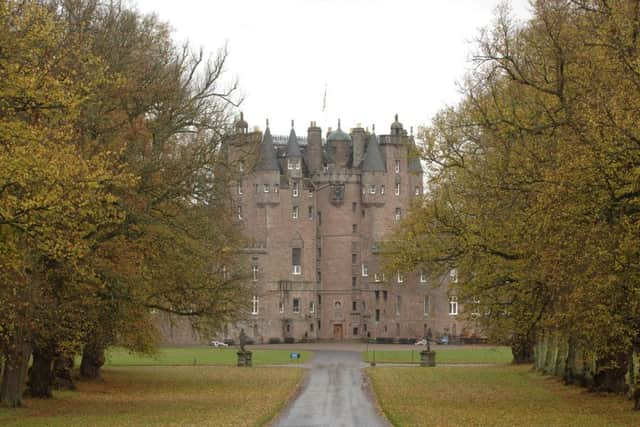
(293, 149)
(372, 158)
(268, 160)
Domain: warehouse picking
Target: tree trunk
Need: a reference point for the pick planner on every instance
(92, 360)
(522, 349)
(41, 373)
(14, 375)
(62, 367)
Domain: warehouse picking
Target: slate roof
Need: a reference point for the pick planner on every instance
(372, 158)
(267, 161)
(293, 149)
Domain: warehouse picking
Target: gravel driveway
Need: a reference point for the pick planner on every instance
(335, 394)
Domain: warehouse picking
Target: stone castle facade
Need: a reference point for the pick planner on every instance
(315, 211)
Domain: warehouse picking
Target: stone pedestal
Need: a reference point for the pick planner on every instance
(245, 358)
(428, 358)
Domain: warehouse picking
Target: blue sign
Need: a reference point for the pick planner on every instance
(295, 355)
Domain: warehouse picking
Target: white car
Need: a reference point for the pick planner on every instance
(217, 344)
(423, 341)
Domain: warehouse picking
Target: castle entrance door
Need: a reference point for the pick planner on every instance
(337, 331)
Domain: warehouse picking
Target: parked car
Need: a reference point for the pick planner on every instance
(443, 340)
(216, 344)
(423, 341)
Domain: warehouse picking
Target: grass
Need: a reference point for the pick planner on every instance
(198, 356)
(167, 396)
(504, 395)
(500, 355)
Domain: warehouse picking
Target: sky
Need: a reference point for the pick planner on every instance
(372, 58)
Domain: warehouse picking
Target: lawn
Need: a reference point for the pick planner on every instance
(504, 395)
(198, 356)
(461, 355)
(167, 396)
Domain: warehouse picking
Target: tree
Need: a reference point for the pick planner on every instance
(534, 188)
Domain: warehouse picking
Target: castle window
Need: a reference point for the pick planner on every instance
(355, 331)
(417, 190)
(354, 206)
(377, 314)
(384, 295)
(426, 306)
(354, 281)
(372, 189)
(276, 188)
(376, 277)
(398, 214)
(310, 193)
(397, 166)
(377, 293)
(293, 164)
(310, 327)
(423, 277)
(365, 270)
(239, 212)
(310, 213)
(312, 309)
(453, 306)
(295, 190)
(266, 188)
(354, 259)
(254, 273)
(337, 305)
(325, 169)
(318, 276)
(257, 188)
(239, 187)
(294, 212)
(241, 167)
(319, 218)
(296, 260)
(364, 190)
(354, 228)
(397, 189)
(319, 252)
(354, 306)
(400, 277)
(397, 305)
(281, 307)
(255, 305)
(382, 189)
(296, 305)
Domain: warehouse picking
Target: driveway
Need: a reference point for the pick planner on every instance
(335, 394)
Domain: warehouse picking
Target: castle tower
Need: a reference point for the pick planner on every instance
(339, 144)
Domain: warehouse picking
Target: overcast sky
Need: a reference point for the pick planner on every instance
(376, 58)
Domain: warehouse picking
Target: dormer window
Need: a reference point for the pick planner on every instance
(293, 164)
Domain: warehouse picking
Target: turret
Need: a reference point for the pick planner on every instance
(373, 173)
(267, 171)
(314, 148)
(339, 143)
(358, 137)
(294, 155)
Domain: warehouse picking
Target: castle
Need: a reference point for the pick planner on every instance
(315, 211)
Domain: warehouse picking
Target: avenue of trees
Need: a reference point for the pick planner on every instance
(112, 188)
(534, 189)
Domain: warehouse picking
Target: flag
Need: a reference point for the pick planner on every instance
(324, 99)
